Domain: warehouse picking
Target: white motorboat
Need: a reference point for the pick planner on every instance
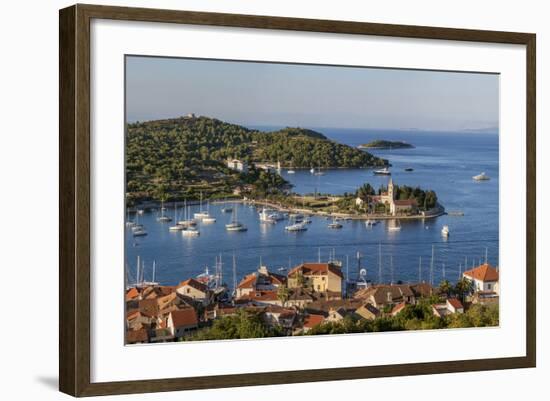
(371, 223)
(291, 172)
(382, 171)
(209, 219)
(266, 216)
(296, 227)
(139, 233)
(481, 177)
(190, 232)
(312, 171)
(445, 231)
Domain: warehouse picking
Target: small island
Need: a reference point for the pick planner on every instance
(384, 144)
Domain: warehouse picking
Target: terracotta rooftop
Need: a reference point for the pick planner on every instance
(455, 303)
(484, 272)
(137, 336)
(132, 293)
(184, 317)
(312, 269)
(398, 308)
(313, 320)
(195, 284)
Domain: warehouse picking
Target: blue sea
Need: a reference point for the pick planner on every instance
(442, 161)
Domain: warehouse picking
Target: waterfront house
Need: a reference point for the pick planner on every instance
(237, 165)
(195, 290)
(279, 316)
(484, 278)
(182, 322)
(336, 315)
(368, 312)
(405, 206)
(384, 295)
(261, 280)
(454, 305)
(319, 277)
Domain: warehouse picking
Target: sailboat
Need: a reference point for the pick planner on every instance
(208, 218)
(177, 226)
(234, 225)
(296, 226)
(481, 177)
(335, 224)
(129, 223)
(163, 218)
(383, 171)
(312, 171)
(394, 225)
(445, 231)
(201, 213)
(186, 222)
(266, 216)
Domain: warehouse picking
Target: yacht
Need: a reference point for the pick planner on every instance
(382, 171)
(481, 177)
(208, 217)
(291, 172)
(226, 209)
(312, 171)
(445, 231)
(266, 216)
(335, 225)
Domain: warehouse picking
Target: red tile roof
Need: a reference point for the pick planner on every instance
(313, 320)
(136, 336)
(455, 303)
(311, 269)
(132, 293)
(184, 317)
(195, 284)
(248, 281)
(483, 272)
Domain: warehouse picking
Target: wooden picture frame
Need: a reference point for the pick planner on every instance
(74, 203)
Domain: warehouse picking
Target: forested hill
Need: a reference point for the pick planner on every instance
(167, 155)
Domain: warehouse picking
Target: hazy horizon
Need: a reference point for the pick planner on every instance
(256, 94)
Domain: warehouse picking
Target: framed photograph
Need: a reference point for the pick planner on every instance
(335, 200)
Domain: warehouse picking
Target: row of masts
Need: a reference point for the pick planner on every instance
(218, 282)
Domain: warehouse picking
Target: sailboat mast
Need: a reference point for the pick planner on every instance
(432, 267)
(420, 269)
(379, 263)
(154, 270)
(234, 274)
(391, 269)
(137, 271)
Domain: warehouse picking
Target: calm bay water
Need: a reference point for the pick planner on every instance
(444, 162)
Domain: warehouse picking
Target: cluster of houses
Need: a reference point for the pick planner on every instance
(309, 295)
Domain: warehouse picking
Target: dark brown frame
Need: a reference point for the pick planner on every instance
(74, 199)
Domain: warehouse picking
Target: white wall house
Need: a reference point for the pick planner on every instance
(484, 278)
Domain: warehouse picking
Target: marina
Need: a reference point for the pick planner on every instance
(239, 229)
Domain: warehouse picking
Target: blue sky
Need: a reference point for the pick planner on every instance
(269, 94)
